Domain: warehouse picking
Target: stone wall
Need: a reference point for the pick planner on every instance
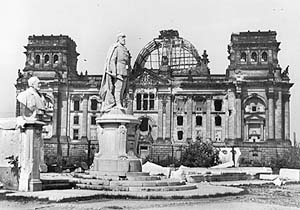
(72, 152)
(259, 154)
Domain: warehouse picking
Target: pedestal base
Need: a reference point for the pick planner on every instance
(117, 145)
(115, 167)
(35, 185)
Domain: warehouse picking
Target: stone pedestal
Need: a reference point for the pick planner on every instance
(117, 145)
(30, 156)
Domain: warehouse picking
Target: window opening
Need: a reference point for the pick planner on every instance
(218, 121)
(55, 59)
(180, 120)
(243, 57)
(138, 101)
(76, 120)
(94, 104)
(264, 57)
(75, 134)
(37, 59)
(179, 135)
(254, 57)
(151, 101)
(76, 105)
(47, 59)
(144, 124)
(198, 120)
(145, 101)
(93, 120)
(218, 105)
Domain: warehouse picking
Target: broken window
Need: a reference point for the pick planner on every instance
(254, 57)
(264, 57)
(47, 59)
(243, 57)
(179, 120)
(55, 59)
(218, 105)
(218, 120)
(198, 121)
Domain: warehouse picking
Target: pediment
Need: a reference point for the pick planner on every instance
(254, 118)
(149, 78)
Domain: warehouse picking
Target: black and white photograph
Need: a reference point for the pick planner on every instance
(149, 105)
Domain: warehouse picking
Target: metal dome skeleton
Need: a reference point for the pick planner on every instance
(170, 53)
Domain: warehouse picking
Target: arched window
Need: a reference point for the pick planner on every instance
(37, 59)
(254, 57)
(55, 58)
(47, 59)
(218, 121)
(243, 57)
(264, 57)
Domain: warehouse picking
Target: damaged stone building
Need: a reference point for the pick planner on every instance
(173, 93)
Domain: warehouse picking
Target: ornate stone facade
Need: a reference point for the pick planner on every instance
(174, 95)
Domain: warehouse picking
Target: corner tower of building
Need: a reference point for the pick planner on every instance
(253, 54)
(50, 56)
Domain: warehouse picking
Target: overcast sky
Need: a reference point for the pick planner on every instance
(93, 25)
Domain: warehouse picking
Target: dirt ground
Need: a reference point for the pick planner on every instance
(258, 198)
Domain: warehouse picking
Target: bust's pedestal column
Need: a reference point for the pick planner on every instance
(30, 157)
(117, 145)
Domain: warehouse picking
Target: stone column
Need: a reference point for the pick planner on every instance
(238, 120)
(189, 126)
(84, 116)
(286, 98)
(271, 128)
(30, 156)
(208, 118)
(226, 123)
(55, 113)
(160, 117)
(64, 110)
(168, 118)
(278, 117)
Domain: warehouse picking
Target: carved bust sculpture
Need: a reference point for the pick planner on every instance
(32, 102)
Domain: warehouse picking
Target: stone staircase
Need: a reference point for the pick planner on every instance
(51, 184)
(134, 181)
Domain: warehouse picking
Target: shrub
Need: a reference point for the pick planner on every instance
(200, 154)
(290, 159)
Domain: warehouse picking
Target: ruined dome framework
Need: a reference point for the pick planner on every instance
(171, 51)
